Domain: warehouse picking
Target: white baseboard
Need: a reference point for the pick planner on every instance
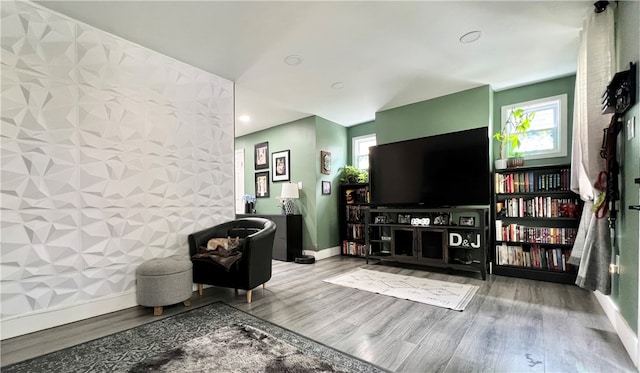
(45, 319)
(626, 334)
(323, 254)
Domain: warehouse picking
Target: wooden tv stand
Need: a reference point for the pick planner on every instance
(455, 238)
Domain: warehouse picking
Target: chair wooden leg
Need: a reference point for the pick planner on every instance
(248, 296)
(200, 289)
(157, 311)
(187, 303)
(264, 286)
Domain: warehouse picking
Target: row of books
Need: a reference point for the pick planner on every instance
(355, 231)
(548, 235)
(554, 259)
(355, 213)
(538, 207)
(533, 181)
(353, 248)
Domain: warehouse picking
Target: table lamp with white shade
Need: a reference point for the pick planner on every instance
(289, 193)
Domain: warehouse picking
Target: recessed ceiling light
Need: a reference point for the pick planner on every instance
(337, 85)
(470, 37)
(293, 60)
(244, 118)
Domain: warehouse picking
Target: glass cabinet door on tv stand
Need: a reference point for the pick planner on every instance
(422, 245)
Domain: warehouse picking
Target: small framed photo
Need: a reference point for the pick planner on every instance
(326, 187)
(261, 156)
(467, 221)
(441, 219)
(380, 219)
(325, 162)
(281, 166)
(404, 219)
(262, 184)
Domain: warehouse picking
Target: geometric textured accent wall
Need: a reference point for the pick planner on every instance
(111, 155)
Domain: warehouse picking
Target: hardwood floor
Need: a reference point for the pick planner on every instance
(511, 325)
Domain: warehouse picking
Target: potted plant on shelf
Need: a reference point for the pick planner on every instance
(508, 138)
(353, 175)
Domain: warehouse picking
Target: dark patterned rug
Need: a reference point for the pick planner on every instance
(213, 338)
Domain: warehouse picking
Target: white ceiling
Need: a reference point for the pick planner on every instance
(385, 53)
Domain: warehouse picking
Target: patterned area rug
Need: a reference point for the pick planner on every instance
(213, 338)
(436, 293)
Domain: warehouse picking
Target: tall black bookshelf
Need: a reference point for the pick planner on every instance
(536, 218)
(352, 208)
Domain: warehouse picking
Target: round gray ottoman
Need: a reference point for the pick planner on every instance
(164, 281)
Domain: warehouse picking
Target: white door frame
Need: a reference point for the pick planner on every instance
(239, 180)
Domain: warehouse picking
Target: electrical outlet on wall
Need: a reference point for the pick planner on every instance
(631, 128)
(615, 268)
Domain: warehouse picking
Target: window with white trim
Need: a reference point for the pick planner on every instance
(547, 135)
(360, 149)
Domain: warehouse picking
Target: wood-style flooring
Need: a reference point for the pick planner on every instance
(511, 325)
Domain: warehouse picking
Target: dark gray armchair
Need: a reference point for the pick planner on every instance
(254, 266)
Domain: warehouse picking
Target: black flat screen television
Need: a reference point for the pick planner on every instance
(451, 169)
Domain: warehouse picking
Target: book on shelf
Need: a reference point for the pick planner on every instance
(355, 213)
(546, 235)
(553, 259)
(539, 207)
(353, 248)
(533, 181)
(355, 231)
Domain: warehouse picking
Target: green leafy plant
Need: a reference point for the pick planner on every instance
(515, 126)
(352, 175)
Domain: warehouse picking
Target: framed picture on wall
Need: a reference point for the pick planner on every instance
(262, 184)
(326, 187)
(261, 155)
(281, 166)
(325, 162)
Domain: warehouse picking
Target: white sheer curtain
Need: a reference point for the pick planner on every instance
(596, 58)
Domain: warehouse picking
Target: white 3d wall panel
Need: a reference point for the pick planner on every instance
(111, 155)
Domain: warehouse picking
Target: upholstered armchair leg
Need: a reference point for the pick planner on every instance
(157, 311)
(248, 296)
(200, 289)
(264, 286)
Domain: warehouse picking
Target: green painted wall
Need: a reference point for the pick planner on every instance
(332, 138)
(299, 138)
(355, 131)
(304, 138)
(625, 285)
(455, 112)
(533, 92)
